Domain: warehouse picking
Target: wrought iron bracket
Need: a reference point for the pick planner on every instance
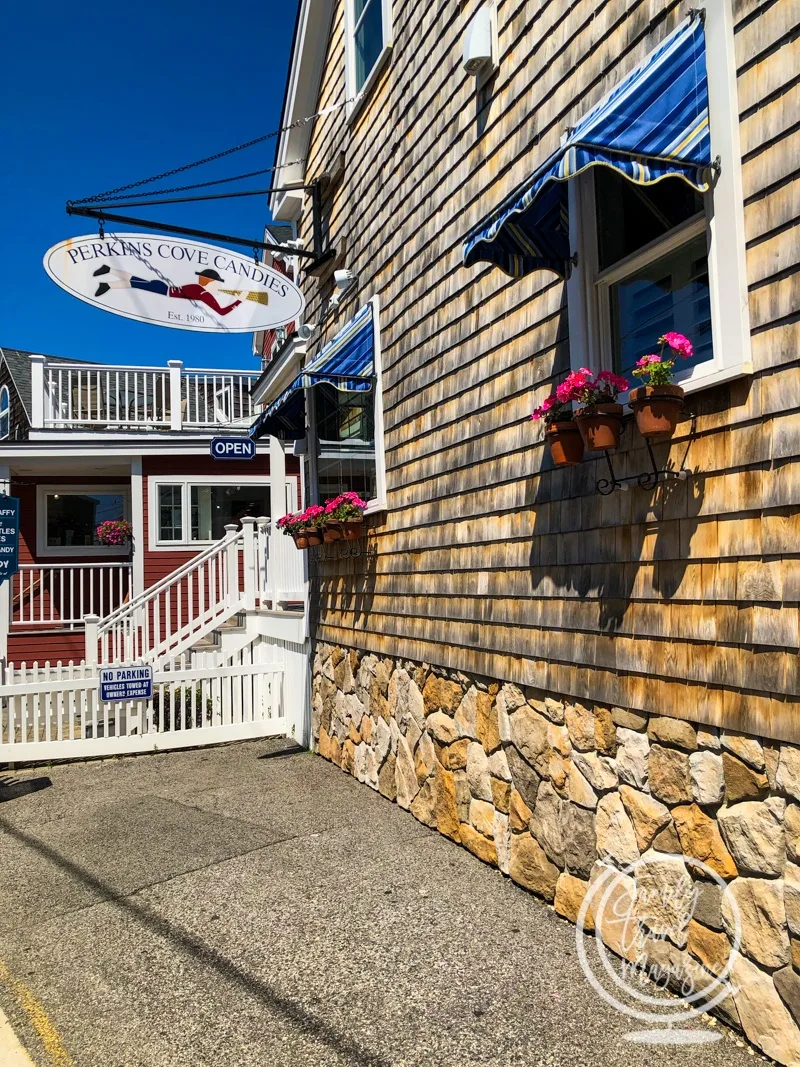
(362, 547)
(648, 479)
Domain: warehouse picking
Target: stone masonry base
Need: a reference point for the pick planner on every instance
(553, 793)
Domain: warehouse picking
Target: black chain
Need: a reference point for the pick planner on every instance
(109, 193)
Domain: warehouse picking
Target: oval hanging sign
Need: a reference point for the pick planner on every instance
(176, 283)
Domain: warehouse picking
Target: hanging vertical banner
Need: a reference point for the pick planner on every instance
(9, 536)
(174, 282)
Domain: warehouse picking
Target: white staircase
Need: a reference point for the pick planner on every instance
(245, 586)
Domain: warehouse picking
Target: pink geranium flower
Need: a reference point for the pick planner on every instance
(678, 343)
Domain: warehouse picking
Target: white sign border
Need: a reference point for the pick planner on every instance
(157, 322)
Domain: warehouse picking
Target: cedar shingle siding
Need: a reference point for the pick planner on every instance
(682, 601)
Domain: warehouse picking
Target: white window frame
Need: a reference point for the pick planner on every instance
(154, 481)
(223, 404)
(378, 502)
(587, 288)
(5, 395)
(42, 493)
(354, 95)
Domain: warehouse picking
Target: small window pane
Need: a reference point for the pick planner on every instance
(344, 416)
(346, 442)
(368, 40)
(5, 414)
(170, 513)
(669, 294)
(213, 506)
(346, 474)
(631, 216)
(73, 518)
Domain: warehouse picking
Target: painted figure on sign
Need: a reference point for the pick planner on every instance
(198, 291)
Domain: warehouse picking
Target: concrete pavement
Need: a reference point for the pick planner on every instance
(255, 907)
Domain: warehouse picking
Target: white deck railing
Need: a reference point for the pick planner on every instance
(180, 609)
(250, 567)
(68, 395)
(61, 594)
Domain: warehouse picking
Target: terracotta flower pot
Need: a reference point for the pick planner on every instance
(331, 533)
(600, 426)
(351, 530)
(300, 539)
(656, 408)
(566, 443)
(314, 536)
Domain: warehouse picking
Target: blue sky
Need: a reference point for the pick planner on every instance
(93, 96)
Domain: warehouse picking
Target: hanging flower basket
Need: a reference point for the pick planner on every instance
(345, 514)
(565, 442)
(561, 433)
(600, 426)
(657, 408)
(115, 533)
(331, 533)
(596, 425)
(302, 528)
(657, 403)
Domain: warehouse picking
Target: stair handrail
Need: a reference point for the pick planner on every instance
(169, 579)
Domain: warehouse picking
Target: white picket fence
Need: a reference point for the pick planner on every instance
(54, 712)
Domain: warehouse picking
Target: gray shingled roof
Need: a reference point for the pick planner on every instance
(278, 233)
(19, 367)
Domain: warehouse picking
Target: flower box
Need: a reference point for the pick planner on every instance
(658, 402)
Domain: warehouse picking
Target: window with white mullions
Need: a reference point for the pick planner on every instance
(5, 413)
(194, 512)
(368, 39)
(644, 265)
(170, 513)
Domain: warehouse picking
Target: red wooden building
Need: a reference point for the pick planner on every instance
(81, 443)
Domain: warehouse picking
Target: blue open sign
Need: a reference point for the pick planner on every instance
(233, 448)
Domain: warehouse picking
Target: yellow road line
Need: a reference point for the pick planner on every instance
(38, 1018)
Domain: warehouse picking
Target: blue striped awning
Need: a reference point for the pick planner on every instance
(347, 362)
(653, 125)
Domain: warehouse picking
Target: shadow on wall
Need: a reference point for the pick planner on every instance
(633, 545)
(347, 584)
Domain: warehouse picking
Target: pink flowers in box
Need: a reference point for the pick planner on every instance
(347, 507)
(658, 369)
(583, 387)
(115, 533)
(339, 517)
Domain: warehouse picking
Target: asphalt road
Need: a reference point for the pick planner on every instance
(240, 906)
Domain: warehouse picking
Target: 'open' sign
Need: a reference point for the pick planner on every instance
(233, 448)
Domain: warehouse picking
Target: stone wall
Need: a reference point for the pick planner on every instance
(553, 793)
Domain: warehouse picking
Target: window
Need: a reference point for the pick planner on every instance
(68, 517)
(170, 513)
(193, 512)
(652, 258)
(663, 257)
(5, 413)
(214, 506)
(345, 436)
(368, 41)
(345, 442)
